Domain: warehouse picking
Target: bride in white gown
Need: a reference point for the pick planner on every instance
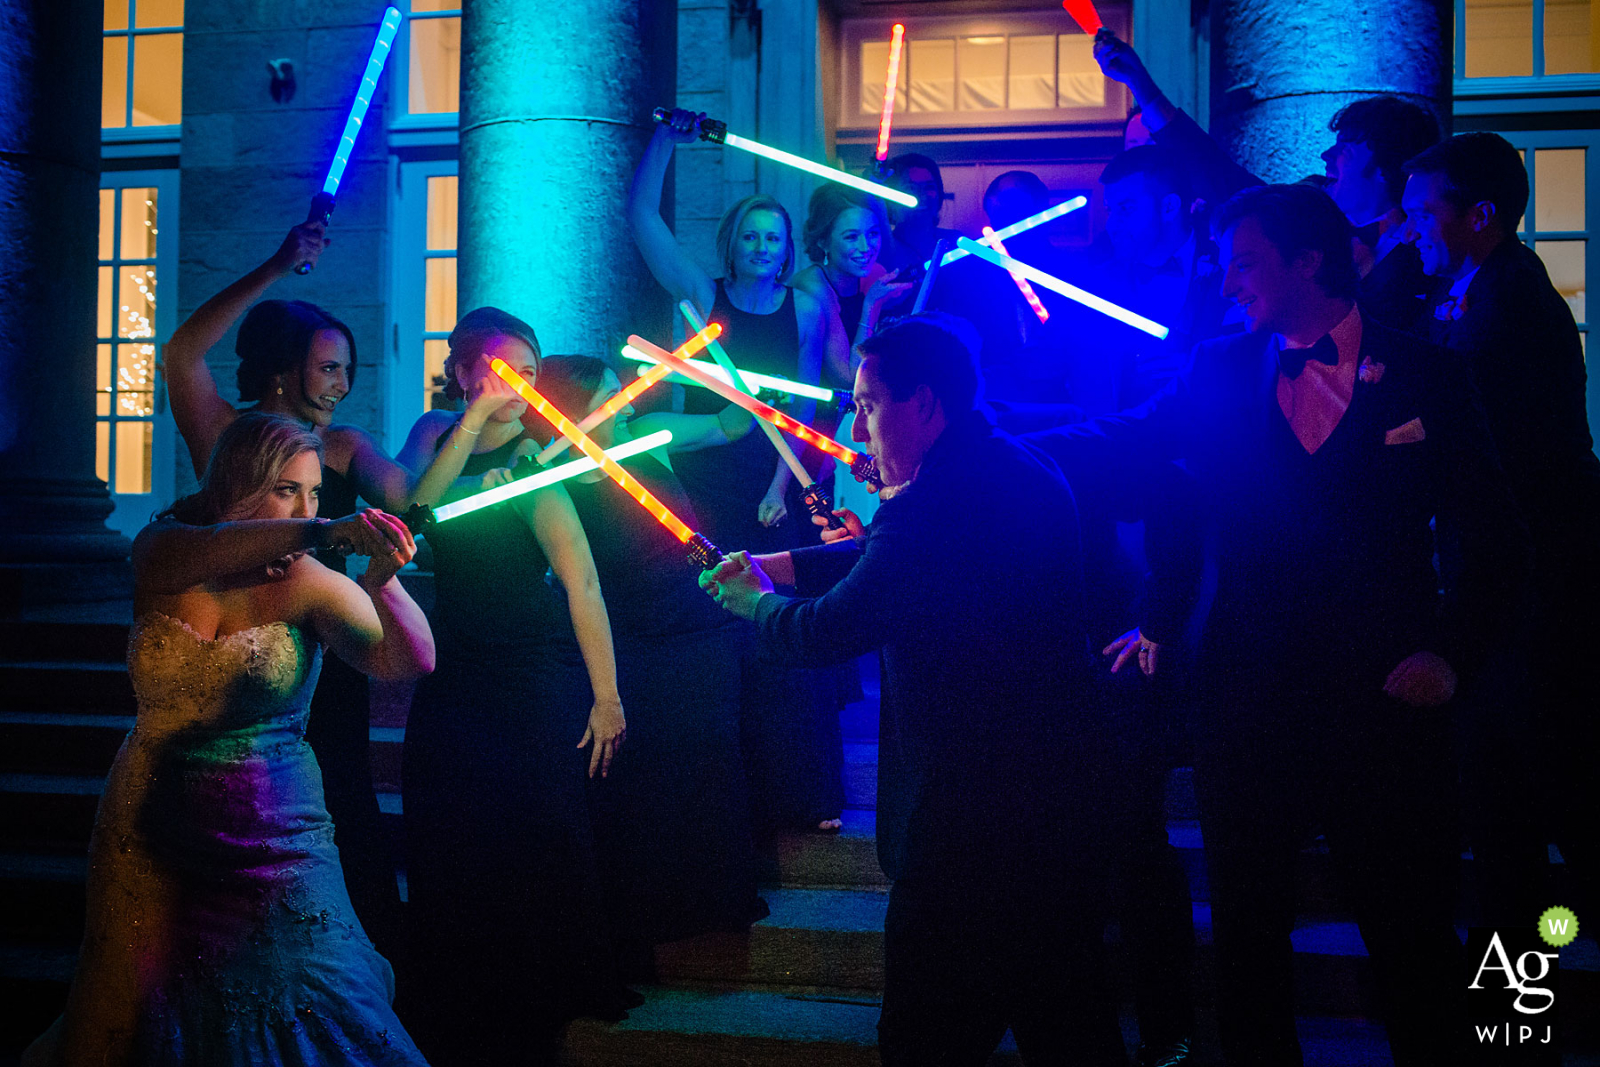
(219, 931)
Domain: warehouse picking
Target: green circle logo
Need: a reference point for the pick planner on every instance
(1558, 926)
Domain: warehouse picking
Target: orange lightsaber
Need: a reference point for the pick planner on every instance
(627, 396)
(1084, 14)
(701, 551)
(889, 87)
(861, 464)
(994, 242)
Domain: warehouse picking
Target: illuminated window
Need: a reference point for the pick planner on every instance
(439, 287)
(142, 64)
(1524, 38)
(125, 374)
(433, 68)
(423, 281)
(1556, 225)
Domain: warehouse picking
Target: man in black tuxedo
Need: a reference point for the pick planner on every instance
(1324, 444)
(1373, 138)
(993, 758)
(1501, 315)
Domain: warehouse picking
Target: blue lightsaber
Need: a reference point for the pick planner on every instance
(1066, 289)
(322, 203)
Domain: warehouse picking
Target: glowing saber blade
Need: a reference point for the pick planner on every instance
(1005, 233)
(890, 86)
(760, 381)
(511, 490)
(1084, 14)
(861, 464)
(1071, 292)
(627, 396)
(1022, 283)
(322, 203)
(717, 133)
(701, 550)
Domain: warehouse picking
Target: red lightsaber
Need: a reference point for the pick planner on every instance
(890, 85)
(861, 464)
(1084, 14)
(701, 551)
(1028, 294)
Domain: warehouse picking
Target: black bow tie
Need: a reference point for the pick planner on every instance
(1293, 360)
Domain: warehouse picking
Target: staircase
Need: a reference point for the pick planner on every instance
(801, 987)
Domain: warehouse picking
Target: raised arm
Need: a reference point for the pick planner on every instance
(561, 536)
(372, 623)
(170, 556)
(197, 407)
(677, 272)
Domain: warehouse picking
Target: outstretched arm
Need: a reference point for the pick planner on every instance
(197, 407)
(170, 556)
(372, 623)
(677, 272)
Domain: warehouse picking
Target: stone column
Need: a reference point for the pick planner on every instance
(1281, 70)
(555, 112)
(54, 543)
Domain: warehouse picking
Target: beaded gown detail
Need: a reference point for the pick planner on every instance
(219, 930)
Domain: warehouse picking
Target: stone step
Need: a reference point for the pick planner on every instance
(66, 685)
(48, 811)
(42, 898)
(60, 742)
(848, 859)
(44, 640)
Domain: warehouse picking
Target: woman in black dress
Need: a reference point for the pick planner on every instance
(672, 822)
(297, 360)
(743, 492)
(508, 935)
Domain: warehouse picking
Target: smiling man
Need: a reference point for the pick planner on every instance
(992, 760)
(1324, 445)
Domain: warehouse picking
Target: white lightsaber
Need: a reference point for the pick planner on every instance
(1005, 233)
(501, 493)
(758, 381)
(1066, 289)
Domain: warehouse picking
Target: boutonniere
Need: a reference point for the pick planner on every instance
(1370, 372)
(1452, 309)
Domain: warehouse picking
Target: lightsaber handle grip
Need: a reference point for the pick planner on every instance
(713, 130)
(817, 502)
(702, 553)
(419, 519)
(321, 211)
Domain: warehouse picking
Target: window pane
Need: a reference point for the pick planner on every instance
(133, 457)
(1568, 48)
(440, 299)
(433, 353)
(435, 72)
(1564, 261)
(874, 68)
(102, 451)
(983, 72)
(149, 14)
(116, 14)
(1082, 84)
(138, 223)
(932, 75)
(1499, 38)
(435, 5)
(137, 303)
(102, 381)
(442, 212)
(136, 378)
(114, 82)
(103, 318)
(107, 222)
(158, 79)
(1032, 76)
(1558, 188)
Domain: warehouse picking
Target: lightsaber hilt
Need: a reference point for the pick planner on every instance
(865, 469)
(702, 553)
(321, 211)
(419, 519)
(713, 130)
(943, 246)
(817, 502)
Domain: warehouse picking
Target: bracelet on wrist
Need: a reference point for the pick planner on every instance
(463, 426)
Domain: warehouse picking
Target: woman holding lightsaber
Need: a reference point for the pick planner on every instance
(672, 823)
(743, 493)
(505, 904)
(299, 361)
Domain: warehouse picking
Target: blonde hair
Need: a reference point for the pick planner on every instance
(245, 465)
(733, 221)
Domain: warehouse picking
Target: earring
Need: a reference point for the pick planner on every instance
(280, 390)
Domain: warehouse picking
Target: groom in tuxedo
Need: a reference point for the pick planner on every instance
(1531, 740)
(1324, 444)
